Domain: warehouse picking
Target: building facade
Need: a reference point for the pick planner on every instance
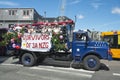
(13, 16)
(18, 16)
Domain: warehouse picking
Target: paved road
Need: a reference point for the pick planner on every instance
(56, 70)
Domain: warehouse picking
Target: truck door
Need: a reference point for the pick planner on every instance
(79, 44)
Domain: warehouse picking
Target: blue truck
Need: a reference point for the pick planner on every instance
(75, 46)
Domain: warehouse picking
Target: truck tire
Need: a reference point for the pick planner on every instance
(28, 59)
(91, 62)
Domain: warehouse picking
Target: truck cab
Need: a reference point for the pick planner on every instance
(88, 51)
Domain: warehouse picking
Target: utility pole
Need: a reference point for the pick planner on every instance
(63, 4)
(62, 9)
(44, 16)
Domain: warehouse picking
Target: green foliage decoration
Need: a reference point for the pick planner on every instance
(8, 36)
(56, 42)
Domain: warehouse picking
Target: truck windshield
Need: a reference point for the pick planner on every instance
(82, 37)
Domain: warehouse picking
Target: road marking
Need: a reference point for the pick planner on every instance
(70, 69)
(86, 71)
(116, 74)
(5, 64)
(66, 72)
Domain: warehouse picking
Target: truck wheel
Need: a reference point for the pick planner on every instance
(91, 63)
(28, 59)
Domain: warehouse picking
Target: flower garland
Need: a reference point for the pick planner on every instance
(11, 39)
(57, 42)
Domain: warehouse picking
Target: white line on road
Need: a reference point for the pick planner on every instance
(116, 74)
(70, 69)
(5, 64)
(86, 71)
(70, 73)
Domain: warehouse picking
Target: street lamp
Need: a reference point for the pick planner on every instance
(44, 16)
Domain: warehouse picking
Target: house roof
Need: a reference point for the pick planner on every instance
(58, 19)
